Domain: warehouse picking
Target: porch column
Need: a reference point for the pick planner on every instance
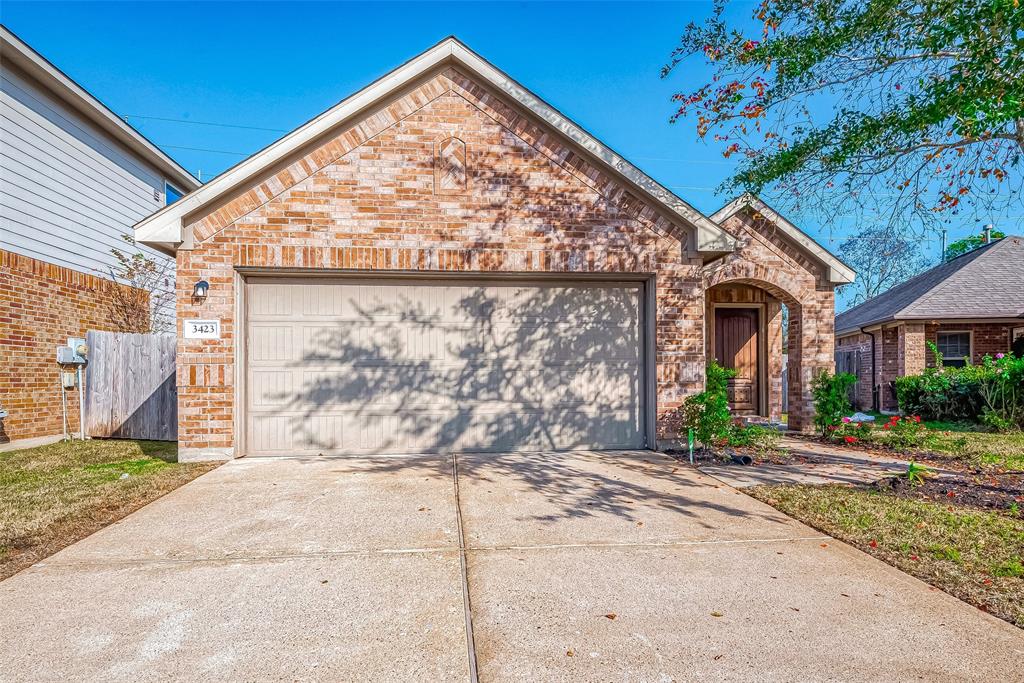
(815, 339)
(911, 351)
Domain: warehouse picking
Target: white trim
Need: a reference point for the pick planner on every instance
(838, 272)
(165, 228)
(57, 83)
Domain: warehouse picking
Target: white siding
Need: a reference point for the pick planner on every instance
(67, 190)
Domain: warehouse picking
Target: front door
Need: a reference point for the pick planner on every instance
(736, 347)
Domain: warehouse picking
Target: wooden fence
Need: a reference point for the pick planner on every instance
(130, 390)
(849, 362)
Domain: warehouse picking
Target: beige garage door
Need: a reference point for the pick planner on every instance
(347, 367)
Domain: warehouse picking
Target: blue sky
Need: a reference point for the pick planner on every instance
(273, 66)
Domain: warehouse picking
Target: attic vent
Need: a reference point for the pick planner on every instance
(450, 173)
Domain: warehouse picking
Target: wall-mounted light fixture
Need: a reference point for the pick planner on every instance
(200, 289)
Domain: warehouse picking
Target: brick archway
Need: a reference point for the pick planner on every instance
(809, 343)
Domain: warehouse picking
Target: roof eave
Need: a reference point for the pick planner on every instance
(837, 272)
(167, 226)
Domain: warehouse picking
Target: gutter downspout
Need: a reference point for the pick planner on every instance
(874, 389)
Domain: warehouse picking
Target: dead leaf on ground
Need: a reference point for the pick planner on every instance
(570, 653)
(611, 616)
(717, 614)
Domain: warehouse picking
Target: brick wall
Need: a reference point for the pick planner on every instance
(367, 199)
(986, 338)
(41, 305)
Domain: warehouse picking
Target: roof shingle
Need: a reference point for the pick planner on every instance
(985, 283)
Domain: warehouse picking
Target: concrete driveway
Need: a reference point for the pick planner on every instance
(581, 566)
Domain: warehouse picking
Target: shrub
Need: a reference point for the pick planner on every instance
(850, 432)
(1001, 387)
(905, 432)
(753, 436)
(707, 413)
(991, 393)
(831, 400)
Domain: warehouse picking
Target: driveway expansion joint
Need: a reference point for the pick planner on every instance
(474, 675)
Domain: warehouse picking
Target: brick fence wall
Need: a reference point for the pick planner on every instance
(41, 305)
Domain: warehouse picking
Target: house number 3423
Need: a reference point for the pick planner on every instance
(202, 329)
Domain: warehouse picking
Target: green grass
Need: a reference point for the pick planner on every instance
(966, 442)
(51, 496)
(974, 555)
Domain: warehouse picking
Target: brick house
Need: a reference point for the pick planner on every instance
(443, 261)
(74, 178)
(969, 307)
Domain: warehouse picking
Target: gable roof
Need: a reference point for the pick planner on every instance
(837, 271)
(985, 283)
(165, 228)
(15, 51)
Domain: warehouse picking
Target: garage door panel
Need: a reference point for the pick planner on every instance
(271, 388)
(271, 342)
(342, 367)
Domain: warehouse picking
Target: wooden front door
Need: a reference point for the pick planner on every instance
(736, 347)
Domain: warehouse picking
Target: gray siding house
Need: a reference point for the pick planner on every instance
(73, 176)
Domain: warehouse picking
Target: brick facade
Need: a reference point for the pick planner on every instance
(986, 338)
(369, 199)
(41, 305)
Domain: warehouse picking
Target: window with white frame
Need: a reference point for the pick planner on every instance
(955, 348)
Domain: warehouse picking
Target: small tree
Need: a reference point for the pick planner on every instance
(831, 399)
(139, 306)
(707, 413)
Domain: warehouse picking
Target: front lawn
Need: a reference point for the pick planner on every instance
(974, 554)
(54, 495)
(954, 445)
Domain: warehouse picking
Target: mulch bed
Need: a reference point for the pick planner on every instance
(985, 492)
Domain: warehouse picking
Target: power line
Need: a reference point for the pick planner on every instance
(200, 149)
(201, 123)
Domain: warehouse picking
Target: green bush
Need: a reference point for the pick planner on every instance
(991, 393)
(831, 400)
(1002, 392)
(707, 413)
(753, 436)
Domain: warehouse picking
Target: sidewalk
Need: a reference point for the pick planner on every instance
(814, 463)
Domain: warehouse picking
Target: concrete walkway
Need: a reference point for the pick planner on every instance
(814, 463)
(579, 566)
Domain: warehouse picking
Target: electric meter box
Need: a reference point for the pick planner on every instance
(67, 356)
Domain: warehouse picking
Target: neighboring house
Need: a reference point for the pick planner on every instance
(444, 262)
(969, 307)
(74, 178)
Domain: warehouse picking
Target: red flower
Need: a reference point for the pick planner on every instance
(917, 418)
(873, 544)
(850, 439)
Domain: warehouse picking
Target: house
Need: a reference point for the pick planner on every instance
(74, 178)
(444, 262)
(969, 307)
